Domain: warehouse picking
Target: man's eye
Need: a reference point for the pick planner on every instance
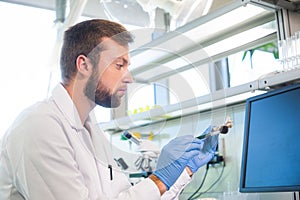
(119, 65)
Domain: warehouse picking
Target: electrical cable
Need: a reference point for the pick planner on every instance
(203, 180)
(294, 195)
(216, 181)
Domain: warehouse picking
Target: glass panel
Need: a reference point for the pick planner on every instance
(261, 63)
(140, 98)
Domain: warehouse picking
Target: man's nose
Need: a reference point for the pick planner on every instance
(127, 77)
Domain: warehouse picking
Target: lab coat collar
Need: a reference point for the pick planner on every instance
(67, 107)
(102, 146)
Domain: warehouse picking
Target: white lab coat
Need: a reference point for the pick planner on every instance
(47, 154)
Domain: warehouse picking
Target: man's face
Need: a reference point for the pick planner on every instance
(108, 83)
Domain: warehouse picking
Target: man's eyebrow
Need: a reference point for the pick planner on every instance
(123, 59)
(126, 61)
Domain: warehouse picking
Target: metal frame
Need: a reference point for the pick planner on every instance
(250, 45)
(272, 81)
(246, 25)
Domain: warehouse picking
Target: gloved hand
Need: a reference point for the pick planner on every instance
(174, 158)
(206, 152)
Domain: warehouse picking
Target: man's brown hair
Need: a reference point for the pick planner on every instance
(84, 39)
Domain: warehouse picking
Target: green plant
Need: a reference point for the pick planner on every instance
(269, 47)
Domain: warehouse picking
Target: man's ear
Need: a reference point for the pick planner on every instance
(83, 65)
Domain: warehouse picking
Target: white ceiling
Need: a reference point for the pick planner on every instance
(96, 8)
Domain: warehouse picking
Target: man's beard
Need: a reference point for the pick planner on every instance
(100, 94)
(104, 98)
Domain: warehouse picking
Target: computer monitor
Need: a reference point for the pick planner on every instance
(271, 148)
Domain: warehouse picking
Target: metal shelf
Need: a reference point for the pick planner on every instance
(215, 99)
(279, 79)
(203, 40)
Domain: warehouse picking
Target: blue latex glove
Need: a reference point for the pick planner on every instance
(206, 152)
(174, 158)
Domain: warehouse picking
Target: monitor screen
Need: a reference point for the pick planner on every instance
(271, 148)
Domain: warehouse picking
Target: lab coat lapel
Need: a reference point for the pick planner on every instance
(100, 142)
(114, 179)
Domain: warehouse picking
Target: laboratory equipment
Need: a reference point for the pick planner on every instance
(131, 137)
(149, 152)
(215, 130)
(270, 158)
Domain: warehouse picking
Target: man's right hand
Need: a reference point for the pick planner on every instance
(175, 156)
